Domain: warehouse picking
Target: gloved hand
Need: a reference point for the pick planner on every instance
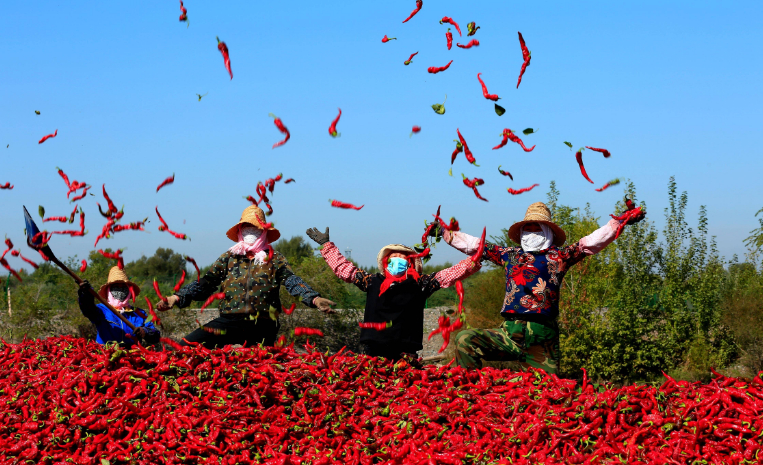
(84, 288)
(324, 305)
(140, 332)
(163, 306)
(317, 236)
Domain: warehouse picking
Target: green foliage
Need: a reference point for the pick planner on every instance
(755, 241)
(295, 249)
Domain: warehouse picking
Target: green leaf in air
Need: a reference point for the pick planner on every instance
(529, 131)
(499, 110)
(41, 211)
(439, 108)
(568, 144)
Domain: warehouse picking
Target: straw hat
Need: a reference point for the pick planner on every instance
(537, 213)
(117, 276)
(250, 215)
(392, 248)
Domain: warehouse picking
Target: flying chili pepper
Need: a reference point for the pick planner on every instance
(338, 204)
(193, 262)
(300, 331)
(289, 180)
(508, 134)
(226, 56)
(164, 227)
(437, 69)
(472, 182)
(212, 298)
(61, 219)
(505, 173)
(10, 270)
(7, 185)
(439, 108)
(472, 28)
(611, 183)
(459, 148)
(183, 13)
(480, 248)
(485, 93)
(180, 282)
(289, 310)
(44, 138)
(151, 311)
(419, 4)
(158, 292)
(332, 128)
(167, 181)
(17, 253)
(112, 207)
(114, 256)
(385, 39)
(472, 43)
(445, 19)
(74, 212)
(460, 293)
(421, 254)
(524, 189)
(415, 130)
(579, 158)
(83, 267)
(525, 57)
(604, 152)
(376, 326)
(279, 124)
(449, 38)
(467, 153)
(408, 61)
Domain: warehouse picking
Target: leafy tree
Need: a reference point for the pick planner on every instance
(295, 249)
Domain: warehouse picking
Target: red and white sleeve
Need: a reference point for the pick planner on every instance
(597, 240)
(343, 268)
(457, 272)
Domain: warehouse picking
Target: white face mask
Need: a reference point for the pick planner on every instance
(250, 234)
(532, 241)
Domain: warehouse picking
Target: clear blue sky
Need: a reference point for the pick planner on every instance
(669, 88)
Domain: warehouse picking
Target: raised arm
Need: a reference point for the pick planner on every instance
(457, 272)
(597, 240)
(294, 285)
(205, 287)
(342, 268)
(87, 303)
(469, 244)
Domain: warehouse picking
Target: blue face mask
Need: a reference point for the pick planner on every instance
(397, 266)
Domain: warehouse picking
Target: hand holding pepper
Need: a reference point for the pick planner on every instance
(168, 303)
(324, 305)
(317, 236)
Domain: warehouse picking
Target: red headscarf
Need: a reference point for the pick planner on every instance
(389, 278)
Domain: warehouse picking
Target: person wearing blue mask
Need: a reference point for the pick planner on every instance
(396, 295)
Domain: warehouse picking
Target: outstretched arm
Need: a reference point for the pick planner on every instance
(342, 268)
(469, 245)
(457, 272)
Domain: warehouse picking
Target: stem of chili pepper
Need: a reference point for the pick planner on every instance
(525, 58)
(279, 124)
(338, 204)
(505, 173)
(579, 158)
(167, 181)
(332, 128)
(472, 43)
(193, 262)
(472, 28)
(419, 4)
(226, 55)
(448, 20)
(385, 39)
(520, 191)
(44, 138)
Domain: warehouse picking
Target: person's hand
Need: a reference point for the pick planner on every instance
(436, 230)
(636, 218)
(140, 332)
(163, 306)
(317, 236)
(324, 305)
(84, 287)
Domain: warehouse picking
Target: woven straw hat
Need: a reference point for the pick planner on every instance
(538, 213)
(117, 276)
(392, 248)
(250, 215)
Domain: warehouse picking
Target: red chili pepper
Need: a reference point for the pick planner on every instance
(338, 204)
(212, 298)
(613, 182)
(385, 39)
(83, 268)
(4, 263)
(505, 173)
(151, 311)
(289, 310)
(158, 292)
(164, 227)
(332, 128)
(300, 331)
(472, 28)
(61, 219)
(415, 130)
(437, 69)
(625, 218)
(579, 158)
(508, 135)
(445, 19)
(472, 43)
(44, 138)
(604, 152)
(485, 93)
(226, 55)
(64, 176)
(421, 254)
(471, 183)
(183, 12)
(115, 256)
(180, 283)
(7, 185)
(525, 57)
(408, 61)
(74, 212)
(460, 293)
(468, 153)
(376, 326)
(169, 180)
(520, 191)
(419, 4)
(193, 262)
(112, 207)
(449, 38)
(477, 257)
(289, 180)
(17, 253)
(279, 124)
(81, 196)
(459, 148)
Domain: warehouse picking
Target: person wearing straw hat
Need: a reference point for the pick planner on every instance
(396, 295)
(118, 292)
(250, 275)
(534, 274)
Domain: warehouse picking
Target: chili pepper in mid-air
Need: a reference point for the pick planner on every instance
(472, 28)
(419, 4)
(437, 69)
(467, 153)
(522, 190)
(114, 256)
(279, 124)
(445, 19)
(61, 219)
(5, 264)
(338, 204)
(158, 292)
(505, 173)
(628, 215)
(112, 207)
(376, 326)
(74, 212)
(472, 43)
(579, 158)
(604, 152)
(480, 248)
(611, 183)
(460, 293)
(164, 227)
(7, 185)
(44, 138)
(151, 312)
(459, 148)
(212, 298)
(439, 108)
(332, 128)
(485, 93)
(167, 181)
(449, 38)
(226, 55)
(508, 135)
(83, 267)
(180, 282)
(289, 180)
(289, 310)
(421, 254)
(183, 12)
(385, 39)
(408, 61)
(17, 253)
(471, 183)
(525, 57)
(415, 130)
(193, 262)
(300, 331)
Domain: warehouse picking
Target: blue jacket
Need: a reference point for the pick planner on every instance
(111, 328)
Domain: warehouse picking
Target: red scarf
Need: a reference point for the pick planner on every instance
(389, 278)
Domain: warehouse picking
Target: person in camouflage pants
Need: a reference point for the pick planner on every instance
(249, 275)
(534, 274)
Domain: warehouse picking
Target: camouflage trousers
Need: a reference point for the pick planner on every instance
(528, 343)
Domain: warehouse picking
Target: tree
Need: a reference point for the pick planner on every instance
(295, 249)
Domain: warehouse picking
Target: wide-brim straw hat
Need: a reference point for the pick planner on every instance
(117, 276)
(250, 215)
(537, 213)
(392, 248)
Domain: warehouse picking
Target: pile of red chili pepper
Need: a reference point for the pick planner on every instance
(68, 400)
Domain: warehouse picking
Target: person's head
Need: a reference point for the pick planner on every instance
(536, 231)
(531, 227)
(397, 263)
(252, 217)
(117, 290)
(396, 259)
(249, 233)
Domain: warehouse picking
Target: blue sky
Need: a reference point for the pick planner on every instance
(669, 88)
